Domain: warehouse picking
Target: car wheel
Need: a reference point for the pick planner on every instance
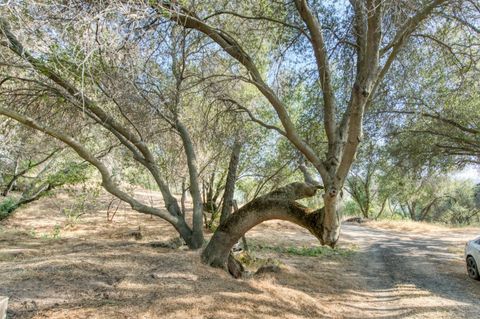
(472, 268)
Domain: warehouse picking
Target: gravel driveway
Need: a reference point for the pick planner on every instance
(415, 275)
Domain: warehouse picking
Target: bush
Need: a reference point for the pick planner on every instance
(7, 206)
(72, 174)
(350, 208)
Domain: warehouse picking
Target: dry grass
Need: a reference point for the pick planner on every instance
(96, 269)
(417, 227)
(413, 226)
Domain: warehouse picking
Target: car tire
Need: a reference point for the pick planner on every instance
(472, 268)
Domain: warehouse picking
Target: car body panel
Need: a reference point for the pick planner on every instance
(472, 248)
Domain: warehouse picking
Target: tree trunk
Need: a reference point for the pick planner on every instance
(411, 210)
(366, 213)
(183, 198)
(331, 222)
(244, 239)
(197, 224)
(279, 204)
(426, 210)
(382, 208)
(209, 203)
(230, 183)
(187, 235)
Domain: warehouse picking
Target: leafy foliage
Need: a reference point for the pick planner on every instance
(7, 206)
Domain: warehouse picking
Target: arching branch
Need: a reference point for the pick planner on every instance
(279, 204)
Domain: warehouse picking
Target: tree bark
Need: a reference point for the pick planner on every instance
(197, 227)
(331, 222)
(412, 210)
(279, 204)
(183, 198)
(230, 183)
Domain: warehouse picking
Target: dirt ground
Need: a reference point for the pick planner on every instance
(94, 268)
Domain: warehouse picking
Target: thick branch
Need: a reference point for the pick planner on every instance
(279, 204)
(320, 50)
(194, 185)
(188, 19)
(307, 177)
(401, 36)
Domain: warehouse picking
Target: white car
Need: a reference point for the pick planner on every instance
(472, 257)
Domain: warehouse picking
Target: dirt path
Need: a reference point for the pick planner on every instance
(415, 275)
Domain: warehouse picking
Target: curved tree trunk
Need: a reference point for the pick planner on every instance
(279, 204)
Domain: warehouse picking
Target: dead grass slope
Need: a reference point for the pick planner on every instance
(52, 268)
